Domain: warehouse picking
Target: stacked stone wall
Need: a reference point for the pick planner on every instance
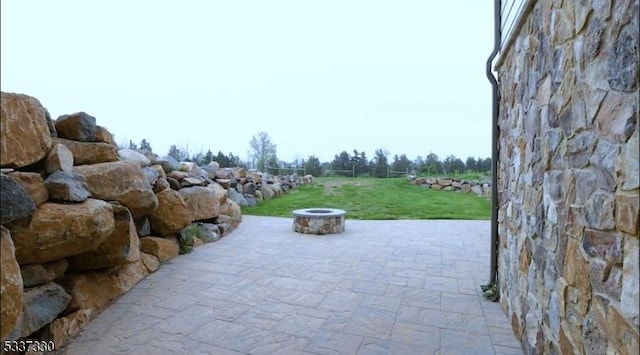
(477, 187)
(82, 222)
(568, 185)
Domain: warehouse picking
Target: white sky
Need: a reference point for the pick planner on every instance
(319, 77)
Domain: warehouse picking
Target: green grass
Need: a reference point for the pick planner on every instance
(376, 199)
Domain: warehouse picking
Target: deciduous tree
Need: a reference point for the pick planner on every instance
(263, 150)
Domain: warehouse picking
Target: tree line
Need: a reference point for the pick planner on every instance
(263, 155)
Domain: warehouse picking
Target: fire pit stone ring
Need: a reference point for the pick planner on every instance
(318, 221)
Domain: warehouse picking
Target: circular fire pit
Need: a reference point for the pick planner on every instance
(318, 221)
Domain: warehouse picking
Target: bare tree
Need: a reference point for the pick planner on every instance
(263, 150)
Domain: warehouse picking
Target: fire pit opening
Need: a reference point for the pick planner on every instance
(318, 221)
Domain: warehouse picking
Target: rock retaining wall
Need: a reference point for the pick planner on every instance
(568, 178)
(454, 184)
(83, 222)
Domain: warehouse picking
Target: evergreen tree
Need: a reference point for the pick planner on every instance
(380, 163)
(471, 164)
(432, 165)
(312, 166)
(342, 163)
(177, 153)
(144, 145)
(401, 163)
(132, 145)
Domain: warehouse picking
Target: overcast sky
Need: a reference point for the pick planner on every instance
(319, 77)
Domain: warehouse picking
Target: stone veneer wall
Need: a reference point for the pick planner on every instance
(568, 178)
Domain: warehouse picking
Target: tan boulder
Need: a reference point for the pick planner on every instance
(149, 261)
(221, 193)
(201, 202)
(113, 282)
(233, 210)
(178, 175)
(103, 135)
(60, 230)
(122, 246)
(171, 215)
(163, 248)
(24, 132)
(10, 286)
(191, 181)
(160, 185)
(122, 181)
(255, 177)
(89, 152)
(59, 158)
(78, 126)
(225, 183)
(444, 182)
(63, 329)
(38, 274)
(33, 184)
(240, 173)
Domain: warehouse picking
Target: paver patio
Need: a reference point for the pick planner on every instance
(380, 287)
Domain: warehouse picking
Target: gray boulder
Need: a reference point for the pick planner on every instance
(134, 156)
(236, 197)
(67, 186)
(42, 304)
(15, 203)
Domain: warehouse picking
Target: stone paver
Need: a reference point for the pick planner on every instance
(380, 287)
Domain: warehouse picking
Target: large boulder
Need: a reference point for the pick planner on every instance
(89, 152)
(113, 282)
(121, 181)
(67, 186)
(134, 156)
(103, 135)
(78, 126)
(59, 158)
(122, 246)
(15, 203)
(249, 188)
(33, 184)
(150, 262)
(172, 214)
(231, 209)
(63, 329)
(201, 202)
(60, 230)
(164, 249)
(236, 197)
(24, 133)
(10, 286)
(42, 304)
(221, 192)
(38, 274)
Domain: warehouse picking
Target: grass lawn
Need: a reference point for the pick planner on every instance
(369, 198)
